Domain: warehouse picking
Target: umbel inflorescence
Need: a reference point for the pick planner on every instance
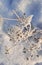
(23, 34)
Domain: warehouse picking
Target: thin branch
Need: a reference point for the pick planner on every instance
(16, 14)
(9, 19)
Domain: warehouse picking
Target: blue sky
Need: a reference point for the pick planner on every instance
(22, 6)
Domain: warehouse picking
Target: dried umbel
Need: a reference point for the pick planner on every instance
(23, 34)
(17, 33)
